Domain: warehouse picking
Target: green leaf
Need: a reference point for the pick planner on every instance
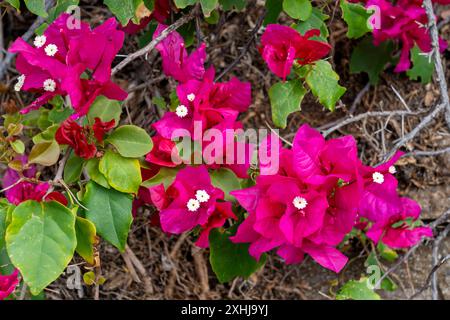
(285, 98)
(18, 146)
(226, 180)
(273, 9)
(73, 168)
(131, 141)
(41, 241)
(123, 174)
(37, 7)
(3, 211)
(422, 67)
(181, 4)
(110, 211)
(47, 135)
(14, 3)
(208, 6)
(387, 253)
(315, 21)
(357, 290)
(387, 283)
(95, 174)
(233, 4)
(230, 260)
(324, 84)
(60, 7)
(164, 176)
(298, 9)
(45, 153)
(59, 114)
(124, 10)
(371, 59)
(105, 109)
(86, 238)
(357, 18)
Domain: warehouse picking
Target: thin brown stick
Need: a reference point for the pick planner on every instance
(149, 47)
(434, 34)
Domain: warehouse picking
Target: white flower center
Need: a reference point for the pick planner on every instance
(39, 41)
(392, 170)
(300, 203)
(181, 111)
(191, 97)
(49, 85)
(193, 205)
(378, 177)
(20, 81)
(51, 50)
(202, 196)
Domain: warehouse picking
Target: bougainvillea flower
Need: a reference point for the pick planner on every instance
(57, 62)
(212, 105)
(379, 198)
(282, 45)
(221, 214)
(101, 128)
(27, 190)
(405, 22)
(163, 153)
(396, 231)
(322, 162)
(175, 60)
(8, 284)
(72, 134)
(190, 200)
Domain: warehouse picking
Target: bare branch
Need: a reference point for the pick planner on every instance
(149, 47)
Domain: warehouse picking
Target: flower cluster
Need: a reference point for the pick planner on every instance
(320, 192)
(24, 186)
(70, 61)
(82, 139)
(405, 21)
(203, 103)
(281, 46)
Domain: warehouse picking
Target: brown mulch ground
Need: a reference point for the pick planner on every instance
(172, 267)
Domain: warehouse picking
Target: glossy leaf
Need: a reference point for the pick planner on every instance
(226, 180)
(86, 238)
(230, 260)
(110, 211)
(324, 84)
(45, 153)
(298, 9)
(131, 141)
(285, 98)
(123, 174)
(357, 18)
(357, 290)
(105, 109)
(41, 241)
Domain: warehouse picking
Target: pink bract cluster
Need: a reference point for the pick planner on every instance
(320, 193)
(18, 191)
(72, 60)
(8, 284)
(406, 22)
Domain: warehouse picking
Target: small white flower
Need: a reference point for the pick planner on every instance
(19, 84)
(193, 205)
(392, 170)
(49, 85)
(39, 41)
(181, 111)
(300, 203)
(202, 196)
(191, 97)
(378, 177)
(51, 50)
